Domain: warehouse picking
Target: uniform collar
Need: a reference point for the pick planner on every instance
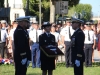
(76, 29)
(47, 33)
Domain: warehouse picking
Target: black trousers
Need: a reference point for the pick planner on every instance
(68, 53)
(2, 49)
(78, 70)
(88, 54)
(20, 69)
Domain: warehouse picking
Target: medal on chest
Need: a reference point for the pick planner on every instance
(73, 41)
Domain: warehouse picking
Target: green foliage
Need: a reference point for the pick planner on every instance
(87, 8)
(1, 3)
(60, 70)
(80, 8)
(70, 2)
(34, 7)
(71, 11)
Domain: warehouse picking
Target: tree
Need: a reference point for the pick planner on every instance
(1, 3)
(48, 8)
(34, 8)
(72, 2)
(85, 10)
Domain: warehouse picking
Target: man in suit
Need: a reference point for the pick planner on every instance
(22, 53)
(77, 41)
(46, 39)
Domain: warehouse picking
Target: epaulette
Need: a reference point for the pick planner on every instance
(79, 31)
(19, 29)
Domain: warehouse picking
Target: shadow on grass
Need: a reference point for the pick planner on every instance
(34, 74)
(8, 72)
(95, 64)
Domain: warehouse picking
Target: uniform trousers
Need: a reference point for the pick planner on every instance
(88, 54)
(20, 69)
(78, 70)
(2, 49)
(35, 55)
(68, 53)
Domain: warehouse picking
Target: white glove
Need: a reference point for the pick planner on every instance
(24, 61)
(77, 62)
(28, 62)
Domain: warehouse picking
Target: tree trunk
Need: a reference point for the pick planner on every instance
(52, 11)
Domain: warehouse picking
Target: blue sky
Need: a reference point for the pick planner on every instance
(95, 5)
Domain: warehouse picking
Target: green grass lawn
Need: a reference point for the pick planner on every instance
(60, 70)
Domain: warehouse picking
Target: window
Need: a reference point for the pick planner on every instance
(16, 15)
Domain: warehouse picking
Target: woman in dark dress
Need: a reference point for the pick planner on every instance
(45, 39)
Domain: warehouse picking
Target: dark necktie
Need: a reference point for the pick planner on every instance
(0, 34)
(36, 36)
(69, 33)
(88, 36)
(48, 35)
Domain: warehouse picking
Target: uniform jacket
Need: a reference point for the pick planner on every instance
(21, 43)
(77, 45)
(44, 40)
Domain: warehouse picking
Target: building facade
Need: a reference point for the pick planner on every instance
(16, 8)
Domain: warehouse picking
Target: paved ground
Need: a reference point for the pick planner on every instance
(96, 56)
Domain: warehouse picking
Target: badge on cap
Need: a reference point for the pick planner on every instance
(45, 23)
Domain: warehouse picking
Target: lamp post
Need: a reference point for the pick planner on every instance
(27, 8)
(40, 13)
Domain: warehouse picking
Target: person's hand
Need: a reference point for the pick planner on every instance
(24, 61)
(28, 62)
(77, 62)
(64, 46)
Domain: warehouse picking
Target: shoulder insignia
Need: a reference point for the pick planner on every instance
(79, 31)
(19, 29)
(79, 55)
(23, 54)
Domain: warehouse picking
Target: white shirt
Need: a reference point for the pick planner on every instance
(65, 32)
(4, 35)
(56, 36)
(11, 34)
(92, 37)
(32, 34)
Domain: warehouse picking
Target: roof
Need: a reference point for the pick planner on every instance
(4, 12)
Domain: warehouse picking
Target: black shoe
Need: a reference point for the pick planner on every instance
(71, 65)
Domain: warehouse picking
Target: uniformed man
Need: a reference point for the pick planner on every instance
(89, 46)
(66, 33)
(77, 42)
(46, 39)
(3, 40)
(34, 40)
(22, 53)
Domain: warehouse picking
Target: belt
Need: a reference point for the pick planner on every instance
(88, 44)
(36, 42)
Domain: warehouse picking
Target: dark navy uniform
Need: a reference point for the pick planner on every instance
(22, 50)
(77, 40)
(47, 63)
